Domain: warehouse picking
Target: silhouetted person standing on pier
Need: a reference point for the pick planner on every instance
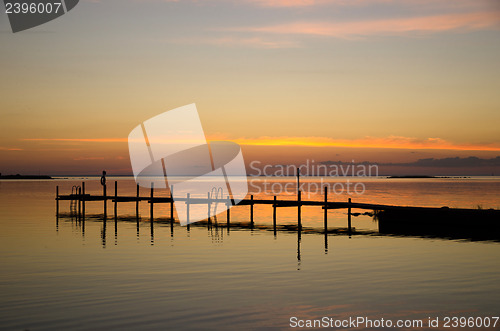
(103, 178)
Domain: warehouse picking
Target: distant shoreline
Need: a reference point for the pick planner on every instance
(25, 177)
(54, 177)
(428, 177)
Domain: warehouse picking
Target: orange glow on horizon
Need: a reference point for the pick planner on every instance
(391, 142)
(89, 140)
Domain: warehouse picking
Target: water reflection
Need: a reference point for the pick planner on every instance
(388, 224)
(215, 230)
(137, 226)
(103, 233)
(152, 232)
(299, 237)
(326, 242)
(446, 225)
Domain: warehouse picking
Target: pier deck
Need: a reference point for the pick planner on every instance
(390, 217)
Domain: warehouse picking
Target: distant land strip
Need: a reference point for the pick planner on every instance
(418, 176)
(18, 176)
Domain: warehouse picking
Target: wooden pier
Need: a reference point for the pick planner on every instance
(391, 218)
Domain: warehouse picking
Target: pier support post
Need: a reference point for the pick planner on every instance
(299, 211)
(116, 200)
(83, 202)
(137, 204)
(172, 210)
(325, 215)
(151, 214)
(151, 202)
(349, 217)
(208, 204)
(251, 210)
(105, 201)
(57, 202)
(228, 214)
(187, 207)
(137, 212)
(79, 203)
(171, 205)
(325, 218)
(274, 216)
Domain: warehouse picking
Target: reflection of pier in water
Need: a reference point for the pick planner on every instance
(454, 223)
(216, 230)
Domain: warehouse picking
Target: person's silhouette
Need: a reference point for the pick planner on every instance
(103, 178)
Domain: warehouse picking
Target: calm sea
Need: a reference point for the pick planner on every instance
(62, 273)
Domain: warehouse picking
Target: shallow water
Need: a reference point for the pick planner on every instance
(68, 274)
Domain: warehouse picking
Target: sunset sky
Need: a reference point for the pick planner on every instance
(389, 81)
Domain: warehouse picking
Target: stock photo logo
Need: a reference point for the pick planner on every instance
(170, 151)
(25, 14)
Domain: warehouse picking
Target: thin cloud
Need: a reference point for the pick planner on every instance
(398, 26)
(394, 142)
(10, 149)
(449, 162)
(96, 140)
(335, 3)
(436, 4)
(262, 3)
(83, 158)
